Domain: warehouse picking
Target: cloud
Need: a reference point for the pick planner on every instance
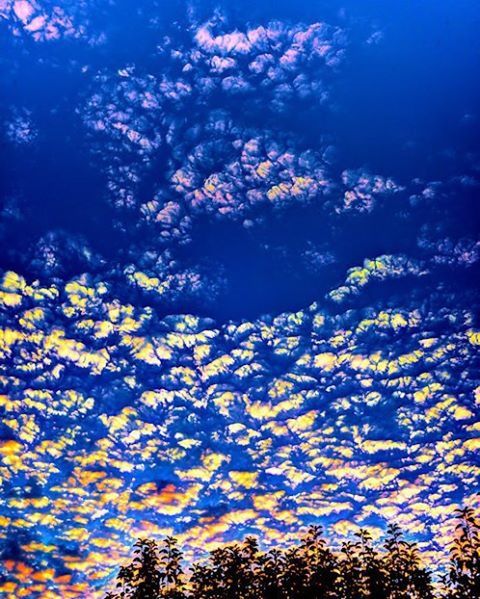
(135, 117)
(257, 172)
(19, 128)
(126, 412)
(194, 414)
(378, 269)
(363, 190)
(46, 21)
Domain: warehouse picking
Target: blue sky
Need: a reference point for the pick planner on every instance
(239, 277)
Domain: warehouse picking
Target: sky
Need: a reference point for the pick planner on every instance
(238, 277)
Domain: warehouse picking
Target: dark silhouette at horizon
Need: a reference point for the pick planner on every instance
(311, 569)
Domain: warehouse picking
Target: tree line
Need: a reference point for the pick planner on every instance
(310, 569)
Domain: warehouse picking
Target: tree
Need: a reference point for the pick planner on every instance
(202, 582)
(350, 583)
(321, 565)
(232, 572)
(406, 578)
(373, 572)
(141, 578)
(272, 565)
(307, 570)
(464, 575)
(170, 570)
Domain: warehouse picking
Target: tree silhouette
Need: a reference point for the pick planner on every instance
(293, 577)
(406, 578)
(309, 569)
(141, 578)
(464, 576)
(351, 584)
(171, 576)
(232, 571)
(271, 566)
(155, 572)
(373, 571)
(321, 565)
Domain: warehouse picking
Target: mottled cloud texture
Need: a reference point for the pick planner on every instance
(123, 415)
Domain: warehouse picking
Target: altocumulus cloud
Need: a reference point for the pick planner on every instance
(122, 415)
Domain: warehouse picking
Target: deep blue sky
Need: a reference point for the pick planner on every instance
(238, 278)
(404, 105)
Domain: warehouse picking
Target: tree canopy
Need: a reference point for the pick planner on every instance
(357, 569)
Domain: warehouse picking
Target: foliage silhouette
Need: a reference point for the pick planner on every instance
(463, 579)
(155, 572)
(310, 569)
